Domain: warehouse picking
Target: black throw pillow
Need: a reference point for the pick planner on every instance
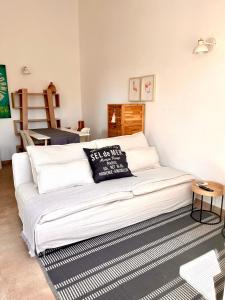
(108, 163)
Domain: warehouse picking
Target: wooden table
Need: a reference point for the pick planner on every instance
(45, 138)
(218, 191)
(38, 136)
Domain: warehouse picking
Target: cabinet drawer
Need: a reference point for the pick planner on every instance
(114, 132)
(132, 129)
(114, 125)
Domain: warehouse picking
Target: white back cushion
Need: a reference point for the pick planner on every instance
(56, 154)
(142, 158)
(126, 142)
(52, 177)
(61, 154)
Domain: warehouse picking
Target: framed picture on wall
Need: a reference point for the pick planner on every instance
(4, 94)
(148, 88)
(134, 89)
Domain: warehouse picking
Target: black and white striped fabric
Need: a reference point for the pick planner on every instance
(141, 261)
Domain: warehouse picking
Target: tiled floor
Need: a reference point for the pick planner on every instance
(20, 275)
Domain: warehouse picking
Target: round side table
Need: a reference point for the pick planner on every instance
(218, 191)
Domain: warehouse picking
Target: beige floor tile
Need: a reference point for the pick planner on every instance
(21, 277)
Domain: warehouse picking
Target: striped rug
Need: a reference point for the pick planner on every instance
(137, 262)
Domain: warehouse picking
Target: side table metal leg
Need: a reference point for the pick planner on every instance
(221, 210)
(222, 231)
(211, 204)
(193, 200)
(201, 208)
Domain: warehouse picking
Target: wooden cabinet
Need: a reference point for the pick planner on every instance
(129, 119)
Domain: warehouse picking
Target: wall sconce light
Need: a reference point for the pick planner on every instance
(204, 46)
(113, 120)
(26, 70)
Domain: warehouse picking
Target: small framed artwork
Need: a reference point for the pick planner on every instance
(4, 94)
(148, 88)
(134, 89)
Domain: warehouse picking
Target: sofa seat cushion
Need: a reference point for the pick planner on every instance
(152, 180)
(58, 204)
(75, 199)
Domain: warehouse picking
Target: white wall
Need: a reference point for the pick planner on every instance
(42, 34)
(122, 39)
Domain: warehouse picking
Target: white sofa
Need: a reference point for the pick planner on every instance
(67, 215)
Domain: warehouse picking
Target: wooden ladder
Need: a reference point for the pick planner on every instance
(49, 107)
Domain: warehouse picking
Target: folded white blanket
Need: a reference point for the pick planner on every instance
(149, 182)
(47, 207)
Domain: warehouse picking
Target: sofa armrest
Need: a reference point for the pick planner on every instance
(21, 169)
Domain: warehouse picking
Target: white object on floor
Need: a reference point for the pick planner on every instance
(199, 273)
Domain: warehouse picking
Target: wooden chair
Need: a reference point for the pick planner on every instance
(27, 140)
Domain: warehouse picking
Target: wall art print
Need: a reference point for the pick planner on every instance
(134, 89)
(4, 94)
(148, 88)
